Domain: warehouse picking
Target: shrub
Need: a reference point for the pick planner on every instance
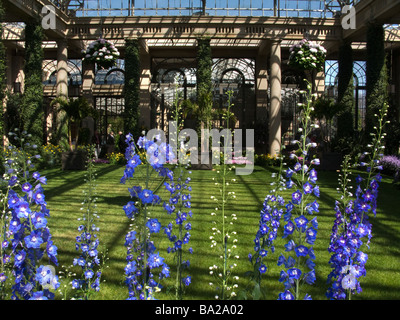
(390, 164)
(50, 156)
(116, 158)
(265, 160)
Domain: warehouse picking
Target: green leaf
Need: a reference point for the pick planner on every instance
(256, 292)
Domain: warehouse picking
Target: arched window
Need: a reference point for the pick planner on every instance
(236, 75)
(360, 81)
(114, 75)
(74, 70)
(172, 78)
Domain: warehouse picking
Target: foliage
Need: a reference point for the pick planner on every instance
(392, 140)
(2, 72)
(76, 110)
(116, 158)
(345, 99)
(102, 52)
(204, 84)
(50, 156)
(266, 160)
(132, 88)
(307, 55)
(32, 104)
(390, 164)
(376, 74)
(13, 113)
(325, 110)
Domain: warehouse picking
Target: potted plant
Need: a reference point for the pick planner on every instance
(307, 56)
(198, 115)
(75, 111)
(102, 52)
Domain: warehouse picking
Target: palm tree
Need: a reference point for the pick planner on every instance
(75, 110)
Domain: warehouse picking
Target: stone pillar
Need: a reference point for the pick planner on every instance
(10, 78)
(145, 85)
(15, 71)
(261, 112)
(319, 83)
(275, 107)
(62, 68)
(55, 124)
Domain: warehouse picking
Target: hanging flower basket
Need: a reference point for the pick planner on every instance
(307, 55)
(102, 52)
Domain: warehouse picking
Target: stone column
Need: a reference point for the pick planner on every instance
(62, 68)
(275, 106)
(145, 85)
(55, 118)
(88, 81)
(319, 83)
(261, 111)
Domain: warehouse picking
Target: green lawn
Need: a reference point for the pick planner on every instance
(64, 197)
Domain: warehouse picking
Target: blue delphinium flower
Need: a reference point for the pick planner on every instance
(300, 227)
(269, 223)
(142, 259)
(178, 233)
(87, 243)
(153, 225)
(352, 230)
(28, 238)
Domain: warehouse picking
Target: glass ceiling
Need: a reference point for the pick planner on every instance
(282, 8)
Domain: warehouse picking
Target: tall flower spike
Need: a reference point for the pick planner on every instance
(142, 258)
(223, 238)
(179, 205)
(269, 223)
(352, 230)
(300, 223)
(90, 259)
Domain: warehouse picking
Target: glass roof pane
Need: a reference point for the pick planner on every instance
(287, 8)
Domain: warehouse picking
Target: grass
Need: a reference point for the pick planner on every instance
(64, 197)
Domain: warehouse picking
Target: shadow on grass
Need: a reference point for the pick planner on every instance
(75, 182)
(385, 226)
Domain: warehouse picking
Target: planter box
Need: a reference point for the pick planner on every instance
(73, 160)
(203, 166)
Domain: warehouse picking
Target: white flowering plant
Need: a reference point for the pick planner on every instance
(101, 51)
(307, 55)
